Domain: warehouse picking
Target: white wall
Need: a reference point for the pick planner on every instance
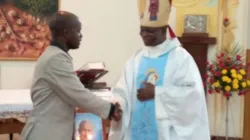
(110, 34)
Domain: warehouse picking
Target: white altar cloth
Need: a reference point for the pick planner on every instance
(16, 103)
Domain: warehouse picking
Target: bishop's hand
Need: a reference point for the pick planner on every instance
(147, 92)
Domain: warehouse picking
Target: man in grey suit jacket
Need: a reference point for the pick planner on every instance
(56, 90)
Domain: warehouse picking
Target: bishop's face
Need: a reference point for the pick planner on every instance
(153, 36)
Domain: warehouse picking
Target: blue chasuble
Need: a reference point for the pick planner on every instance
(143, 121)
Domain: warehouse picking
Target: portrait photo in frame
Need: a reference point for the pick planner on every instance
(88, 127)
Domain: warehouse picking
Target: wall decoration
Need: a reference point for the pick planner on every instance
(195, 23)
(24, 33)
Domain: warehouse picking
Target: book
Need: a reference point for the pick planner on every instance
(91, 72)
(93, 66)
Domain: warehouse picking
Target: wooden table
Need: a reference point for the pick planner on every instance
(11, 126)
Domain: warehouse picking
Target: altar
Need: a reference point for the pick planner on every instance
(15, 106)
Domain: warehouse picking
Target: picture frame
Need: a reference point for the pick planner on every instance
(81, 114)
(195, 23)
(88, 126)
(24, 33)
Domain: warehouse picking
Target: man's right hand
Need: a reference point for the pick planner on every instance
(117, 114)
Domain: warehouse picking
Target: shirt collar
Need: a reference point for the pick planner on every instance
(60, 46)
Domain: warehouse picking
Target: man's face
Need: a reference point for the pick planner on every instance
(86, 132)
(152, 36)
(74, 35)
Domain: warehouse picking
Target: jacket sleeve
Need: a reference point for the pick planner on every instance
(65, 83)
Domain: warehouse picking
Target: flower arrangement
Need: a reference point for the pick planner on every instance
(227, 72)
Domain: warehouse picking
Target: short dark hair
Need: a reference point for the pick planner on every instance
(60, 21)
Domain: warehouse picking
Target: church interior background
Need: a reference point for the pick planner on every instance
(109, 35)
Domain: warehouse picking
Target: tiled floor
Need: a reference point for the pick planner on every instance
(6, 137)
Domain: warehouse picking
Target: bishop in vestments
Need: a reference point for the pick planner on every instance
(160, 91)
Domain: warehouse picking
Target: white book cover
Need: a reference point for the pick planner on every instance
(93, 65)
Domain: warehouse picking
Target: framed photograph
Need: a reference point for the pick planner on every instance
(195, 23)
(24, 32)
(88, 127)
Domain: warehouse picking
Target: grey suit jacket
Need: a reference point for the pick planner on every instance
(56, 91)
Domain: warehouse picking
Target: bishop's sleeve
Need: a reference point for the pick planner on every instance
(65, 83)
(184, 100)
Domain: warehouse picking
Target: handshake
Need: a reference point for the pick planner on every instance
(115, 112)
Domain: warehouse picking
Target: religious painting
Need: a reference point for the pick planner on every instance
(151, 76)
(24, 32)
(88, 127)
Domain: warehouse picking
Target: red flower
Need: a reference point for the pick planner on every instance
(226, 22)
(240, 93)
(222, 54)
(205, 76)
(217, 73)
(207, 63)
(210, 91)
(226, 68)
(212, 72)
(219, 57)
(238, 57)
(211, 66)
(227, 94)
(240, 66)
(226, 19)
(211, 81)
(217, 91)
(221, 65)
